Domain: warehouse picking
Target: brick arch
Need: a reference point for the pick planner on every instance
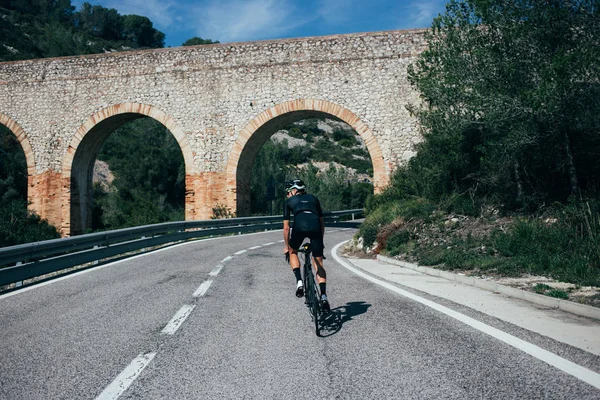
(235, 189)
(77, 163)
(23, 140)
(128, 108)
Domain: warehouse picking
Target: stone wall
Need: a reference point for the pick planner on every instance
(213, 98)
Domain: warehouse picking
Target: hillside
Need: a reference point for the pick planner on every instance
(39, 29)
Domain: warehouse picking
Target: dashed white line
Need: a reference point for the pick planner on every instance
(237, 253)
(178, 319)
(254, 247)
(201, 291)
(216, 270)
(554, 360)
(227, 259)
(126, 378)
(150, 253)
(268, 244)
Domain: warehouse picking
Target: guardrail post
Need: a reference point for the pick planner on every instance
(20, 283)
(95, 262)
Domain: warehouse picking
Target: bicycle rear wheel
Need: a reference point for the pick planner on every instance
(313, 301)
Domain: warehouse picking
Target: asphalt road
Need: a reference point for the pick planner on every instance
(218, 319)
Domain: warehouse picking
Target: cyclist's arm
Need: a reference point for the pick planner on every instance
(286, 226)
(320, 214)
(286, 233)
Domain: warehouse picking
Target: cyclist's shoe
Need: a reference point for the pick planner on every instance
(325, 304)
(299, 289)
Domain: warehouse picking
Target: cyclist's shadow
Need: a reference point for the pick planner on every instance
(333, 321)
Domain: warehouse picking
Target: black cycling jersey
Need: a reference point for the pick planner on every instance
(304, 207)
(307, 212)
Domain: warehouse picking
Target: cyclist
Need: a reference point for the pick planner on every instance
(308, 223)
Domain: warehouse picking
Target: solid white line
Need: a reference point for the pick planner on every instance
(227, 259)
(216, 270)
(237, 253)
(177, 320)
(565, 365)
(126, 378)
(203, 287)
(254, 247)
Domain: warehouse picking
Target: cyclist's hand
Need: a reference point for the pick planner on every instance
(287, 256)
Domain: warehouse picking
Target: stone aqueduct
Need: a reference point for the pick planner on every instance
(221, 102)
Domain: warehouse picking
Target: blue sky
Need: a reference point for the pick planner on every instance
(247, 20)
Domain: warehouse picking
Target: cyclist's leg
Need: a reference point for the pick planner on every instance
(317, 245)
(316, 242)
(294, 243)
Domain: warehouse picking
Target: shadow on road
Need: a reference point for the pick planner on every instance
(332, 323)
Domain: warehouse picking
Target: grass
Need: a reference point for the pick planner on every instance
(565, 248)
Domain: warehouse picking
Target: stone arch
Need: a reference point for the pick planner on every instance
(16, 129)
(254, 135)
(78, 162)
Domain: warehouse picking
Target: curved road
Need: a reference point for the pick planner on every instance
(218, 319)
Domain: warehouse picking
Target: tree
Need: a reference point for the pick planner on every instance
(509, 111)
(149, 184)
(139, 30)
(104, 23)
(198, 40)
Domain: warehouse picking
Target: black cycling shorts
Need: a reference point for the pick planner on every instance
(316, 240)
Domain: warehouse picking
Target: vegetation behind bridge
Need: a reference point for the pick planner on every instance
(511, 125)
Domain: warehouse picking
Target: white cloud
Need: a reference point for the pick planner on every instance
(239, 20)
(422, 12)
(335, 12)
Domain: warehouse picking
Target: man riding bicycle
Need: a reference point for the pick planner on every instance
(308, 223)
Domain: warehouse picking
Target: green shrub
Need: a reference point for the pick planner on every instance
(559, 294)
(374, 221)
(561, 249)
(396, 242)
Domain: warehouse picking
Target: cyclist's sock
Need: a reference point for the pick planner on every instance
(297, 274)
(323, 287)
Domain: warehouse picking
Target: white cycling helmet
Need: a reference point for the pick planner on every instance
(297, 184)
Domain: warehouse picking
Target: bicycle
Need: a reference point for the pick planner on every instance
(312, 296)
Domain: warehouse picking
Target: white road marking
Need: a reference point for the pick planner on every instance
(204, 287)
(216, 270)
(564, 365)
(268, 244)
(126, 378)
(227, 259)
(42, 284)
(177, 320)
(237, 253)
(280, 241)
(254, 247)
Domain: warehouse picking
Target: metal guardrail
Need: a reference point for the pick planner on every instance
(30, 260)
